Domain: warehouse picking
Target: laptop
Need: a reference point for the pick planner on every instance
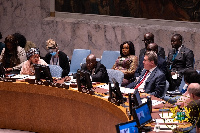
(142, 115)
(134, 100)
(127, 127)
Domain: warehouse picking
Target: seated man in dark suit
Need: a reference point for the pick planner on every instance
(96, 69)
(162, 64)
(179, 59)
(149, 38)
(151, 80)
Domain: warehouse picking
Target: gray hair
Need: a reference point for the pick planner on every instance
(152, 56)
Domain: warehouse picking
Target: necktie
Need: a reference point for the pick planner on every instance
(174, 55)
(173, 58)
(141, 81)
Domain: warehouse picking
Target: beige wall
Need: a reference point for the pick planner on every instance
(31, 18)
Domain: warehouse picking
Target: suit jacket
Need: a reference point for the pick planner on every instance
(155, 83)
(162, 65)
(161, 53)
(63, 62)
(100, 74)
(183, 60)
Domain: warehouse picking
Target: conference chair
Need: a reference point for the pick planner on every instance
(118, 75)
(55, 70)
(77, 58)
(109, 57)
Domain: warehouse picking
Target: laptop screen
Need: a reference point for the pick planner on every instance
(142, 114)
(128, 127)
(137, 97)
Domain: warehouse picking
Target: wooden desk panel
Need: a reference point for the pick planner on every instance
(48, 109)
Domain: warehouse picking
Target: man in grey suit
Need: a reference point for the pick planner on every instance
(151, 80)
(179, 59)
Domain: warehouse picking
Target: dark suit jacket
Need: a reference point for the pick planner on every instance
(161, 53)
(63, 62)
(100, 74)
(155, 84)
(162, 65)
(183, 60)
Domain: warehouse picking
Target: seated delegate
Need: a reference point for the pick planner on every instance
(151, 80)
(33, 57)
(97, 70)
(162, 64)
(57, 57)
(127, 62)
(179, 59)
(12, 55)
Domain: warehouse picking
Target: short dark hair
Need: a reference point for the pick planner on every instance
(20, 39)
(191, 76)
(179, 36)
(131, 48)
(152, 56)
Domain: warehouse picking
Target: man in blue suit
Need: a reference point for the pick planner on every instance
(152, 80)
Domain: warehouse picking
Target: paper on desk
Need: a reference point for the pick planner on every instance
(165, 115)
(167, 120)
(126, 90)
(122, 89)
(23, 77)
(167, 126)
(154, 102)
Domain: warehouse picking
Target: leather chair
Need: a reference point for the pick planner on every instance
(109, 57)
(77, 58)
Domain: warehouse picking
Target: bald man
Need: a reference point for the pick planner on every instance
(162, 64)
(149, 38)
(192, 93)
(96, 69)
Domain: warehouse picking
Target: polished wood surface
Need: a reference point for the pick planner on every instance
(49, 109)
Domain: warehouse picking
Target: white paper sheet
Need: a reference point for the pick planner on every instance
(168, 120)
(165, 115)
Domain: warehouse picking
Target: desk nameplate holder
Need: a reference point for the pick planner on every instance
(46, 83)
(8, 79)
(115, 95)
(84, 83)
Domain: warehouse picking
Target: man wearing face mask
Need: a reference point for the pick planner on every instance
(56, 57)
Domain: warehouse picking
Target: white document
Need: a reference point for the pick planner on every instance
(168, 120)
(165, 115)
(23, 77)
(175, 76)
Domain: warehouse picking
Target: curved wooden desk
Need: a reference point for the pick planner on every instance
(49, 109)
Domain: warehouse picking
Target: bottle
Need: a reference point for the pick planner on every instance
(149, 102)
(157, 127)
